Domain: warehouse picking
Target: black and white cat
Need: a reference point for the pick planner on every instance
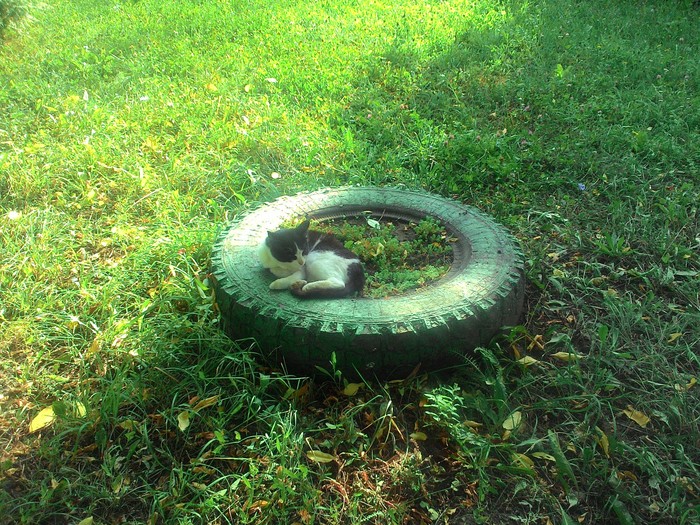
(311, 263)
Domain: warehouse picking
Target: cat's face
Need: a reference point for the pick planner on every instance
(289, 245)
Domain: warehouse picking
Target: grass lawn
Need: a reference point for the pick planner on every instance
(132, 132)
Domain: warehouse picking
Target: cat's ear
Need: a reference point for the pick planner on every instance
(304, 226)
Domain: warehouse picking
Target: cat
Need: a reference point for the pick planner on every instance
(311, 263)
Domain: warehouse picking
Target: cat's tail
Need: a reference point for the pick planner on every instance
(323, 293)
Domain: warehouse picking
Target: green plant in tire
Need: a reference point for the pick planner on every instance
(311, 263)
(398, 256)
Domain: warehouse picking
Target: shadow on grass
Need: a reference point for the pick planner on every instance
(546, 97)
(528, 116)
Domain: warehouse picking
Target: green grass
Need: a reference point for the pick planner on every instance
(130, 133)
(12, 13)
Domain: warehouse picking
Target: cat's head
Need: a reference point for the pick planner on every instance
(289, 245)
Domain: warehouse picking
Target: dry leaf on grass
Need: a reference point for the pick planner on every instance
(528, 361)
(513, 421)
(603, 442)
(204, 403)
(567, 356)
(352, 388)
(45, 418)
(183, 420)
(319, 457)
(674, 336)
(635, 415)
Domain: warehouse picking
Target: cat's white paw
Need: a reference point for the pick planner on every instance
(279, 284)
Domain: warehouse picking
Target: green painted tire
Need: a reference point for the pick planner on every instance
(433, 326)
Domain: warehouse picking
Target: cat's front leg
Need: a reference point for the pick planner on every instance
(285, 282)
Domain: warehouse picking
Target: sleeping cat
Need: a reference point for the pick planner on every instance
(311, 263)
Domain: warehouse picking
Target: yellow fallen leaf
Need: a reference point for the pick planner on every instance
(603, 442)
(528, 361)
(635, 415)
(79, 410)
(684, 388)
(543, 455)
(523, 460)
(87, 521)
(351, 389)
(45, 418)
(94, 346)
(319, 457)
(258, 505)
(567, 356)
(73, 323)
(626, 475)
(129, 425)
(516, 351)
(674, 336)
(513, 421)
(536, 342)
(419, 436)
(204, 403)
(150, 143)
(183, 420)
(472, 424)
(299, 394)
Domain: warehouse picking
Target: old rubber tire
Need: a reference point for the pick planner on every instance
(433, 326)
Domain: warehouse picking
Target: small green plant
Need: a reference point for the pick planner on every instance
(333, 374)
(613, 245)
(486, 432)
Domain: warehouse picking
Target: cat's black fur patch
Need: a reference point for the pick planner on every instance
(283, 243)
(325, 242)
